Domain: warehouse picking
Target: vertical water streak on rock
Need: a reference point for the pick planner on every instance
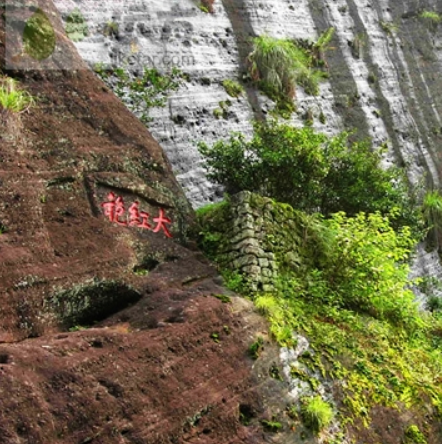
(405, 126)
(239, 18)
(342, 17)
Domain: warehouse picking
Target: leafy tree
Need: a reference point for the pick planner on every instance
(311, 172)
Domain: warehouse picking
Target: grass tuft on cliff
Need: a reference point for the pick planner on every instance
(278, 65)
(12, 98)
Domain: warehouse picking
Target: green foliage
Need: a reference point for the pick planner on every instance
(215, 337)
(432, 214)
(12, 98)
(277, 65)
(344, 286)
(255, 349)
(39, 36)
(233, 88)
(389, 27)
(429, 285)
(110, 29)
(223, 298)
(223, 110)
(311, 172)
(316, 413)
(209, 208)
(434, 303)
(206, 6)
(235, 281)
(77, 328)
(363, 265)
(414, 436)
(76, 26)
(140, 94)
(324, 39)
(218, 113)
(271, 426)
(432, 19)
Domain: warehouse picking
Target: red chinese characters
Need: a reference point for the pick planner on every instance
(114, 210)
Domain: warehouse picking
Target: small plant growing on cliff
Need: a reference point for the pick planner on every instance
(141, 93)
(277, 65)
(432, 18)
(111, 29)
(274, 64)
(12, 98)
(76, 26)
(207, 6)
(256, 348)
(271, 426)
(389, 27)
(316, 413)
(233, 88)
(432, 214)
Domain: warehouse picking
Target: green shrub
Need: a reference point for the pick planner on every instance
(275, 63)
(233, 88)
(316, 413)
(12, 98)
(434, 303)
(311, 172)
(363, 264)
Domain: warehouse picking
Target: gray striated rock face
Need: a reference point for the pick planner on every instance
(383, 68)
(386, 87)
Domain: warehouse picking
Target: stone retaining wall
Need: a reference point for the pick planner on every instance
(248, 250)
